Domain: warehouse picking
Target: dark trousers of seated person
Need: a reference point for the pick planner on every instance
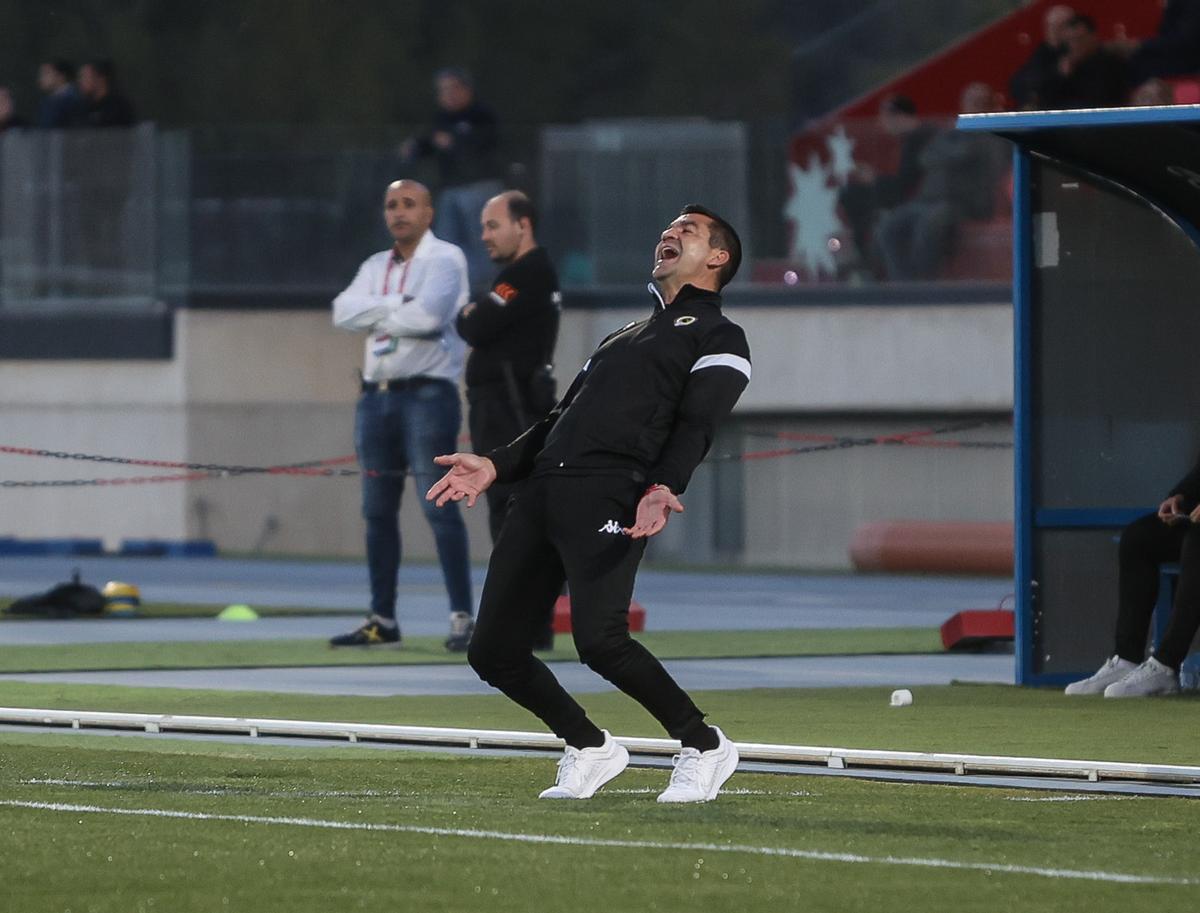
(567, 528)
(1146, 544)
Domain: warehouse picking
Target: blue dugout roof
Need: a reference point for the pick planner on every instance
(1153, 152)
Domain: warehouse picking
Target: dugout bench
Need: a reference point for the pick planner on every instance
(1106, 408)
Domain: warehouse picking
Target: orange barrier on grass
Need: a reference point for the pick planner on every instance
(933, 546)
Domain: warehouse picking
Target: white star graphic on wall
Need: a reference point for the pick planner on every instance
(812, 210)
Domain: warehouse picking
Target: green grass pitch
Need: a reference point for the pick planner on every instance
(430, 650)
(258, 827)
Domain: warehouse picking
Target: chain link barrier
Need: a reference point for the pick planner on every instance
(334, 467)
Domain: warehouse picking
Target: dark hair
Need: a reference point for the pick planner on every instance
(521, 207)
(899, 104)
(104, 68)
(721, 236)
(63, 68)
(459, 74)
(1083, 19)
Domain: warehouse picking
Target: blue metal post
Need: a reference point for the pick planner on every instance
(1023, 509)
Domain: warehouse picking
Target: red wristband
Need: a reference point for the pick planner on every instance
(653, 487)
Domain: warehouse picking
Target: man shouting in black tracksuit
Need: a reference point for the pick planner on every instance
(602, 472)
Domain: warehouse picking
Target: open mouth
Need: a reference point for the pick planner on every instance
(667, 253)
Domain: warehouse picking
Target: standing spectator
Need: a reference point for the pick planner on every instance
(1089, 76)
(1027, 85)
(62, 105)
(9, 117)
(961, 174)
(1174, 50)
(406, 299)
(868, 193)
(104, 105)
(512, 331)
(463, 139)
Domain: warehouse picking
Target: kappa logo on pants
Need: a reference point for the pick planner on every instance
(612, 526)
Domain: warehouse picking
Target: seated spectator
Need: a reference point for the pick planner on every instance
(62, 105)
(1173, 534)
(866, 194)
(104, 105)
(1028, 83)
(1089, 76)
(8, 112)
(1153, 92)
(962, 173)
(1174, 50)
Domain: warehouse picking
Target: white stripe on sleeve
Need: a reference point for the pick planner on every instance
(729, 361)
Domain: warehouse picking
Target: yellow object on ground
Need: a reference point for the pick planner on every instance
(121, 599)
(237, 612)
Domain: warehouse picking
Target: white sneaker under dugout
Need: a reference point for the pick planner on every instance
(1113, 670)
(1150, 678)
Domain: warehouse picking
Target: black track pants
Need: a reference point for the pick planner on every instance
(493, 421)
(566, 527)
(1147, 543)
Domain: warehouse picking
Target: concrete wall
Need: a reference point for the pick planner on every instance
(277, 387)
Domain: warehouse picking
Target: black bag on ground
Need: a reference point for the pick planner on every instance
(66, 600)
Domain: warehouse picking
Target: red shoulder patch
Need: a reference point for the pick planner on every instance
(505, 291)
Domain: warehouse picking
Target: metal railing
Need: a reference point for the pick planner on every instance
(135, 220)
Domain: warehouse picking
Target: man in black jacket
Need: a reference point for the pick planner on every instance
(512, 331)
(1027, 85)
(1171, 534)
(104, 105)
(602, 473)
(464, 139)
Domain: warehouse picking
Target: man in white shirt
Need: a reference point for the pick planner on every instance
(406, 299)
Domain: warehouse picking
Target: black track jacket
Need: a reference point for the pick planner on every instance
(646, 404)
(516, 322)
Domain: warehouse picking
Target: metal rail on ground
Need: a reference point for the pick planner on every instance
(785, 756)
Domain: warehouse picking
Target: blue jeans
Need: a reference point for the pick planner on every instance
(456, 219)
(402, 431)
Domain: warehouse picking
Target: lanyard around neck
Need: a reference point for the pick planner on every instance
(403, 275)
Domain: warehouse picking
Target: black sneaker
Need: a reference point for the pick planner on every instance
(462, 626)
(373, 633)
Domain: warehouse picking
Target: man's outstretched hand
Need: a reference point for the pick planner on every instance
(469, 477)
(653, 511)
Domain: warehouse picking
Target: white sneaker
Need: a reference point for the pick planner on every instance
(1113, 670)
(582, 771)
(1151, 677)
(698, 775)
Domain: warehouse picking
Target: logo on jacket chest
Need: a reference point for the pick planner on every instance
(684, 321)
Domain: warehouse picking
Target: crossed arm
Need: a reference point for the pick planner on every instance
(360, 308)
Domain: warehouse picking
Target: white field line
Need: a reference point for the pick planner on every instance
(561, 840)
(220, 791)
(1070, 798)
